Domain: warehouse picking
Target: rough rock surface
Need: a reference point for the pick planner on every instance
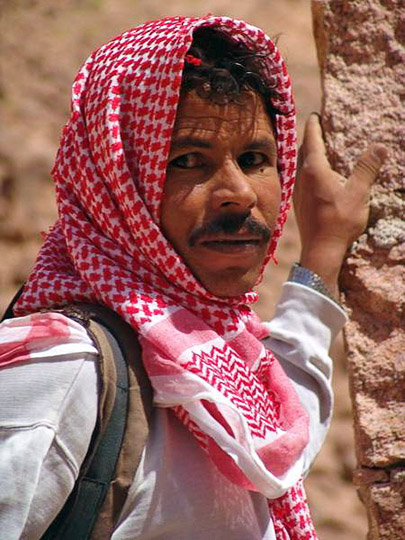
(361, 54)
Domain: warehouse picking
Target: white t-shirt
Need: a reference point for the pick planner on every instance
(48, 410)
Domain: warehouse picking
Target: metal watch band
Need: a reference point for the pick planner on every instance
(299, 274)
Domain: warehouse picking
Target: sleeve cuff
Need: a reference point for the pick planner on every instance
(307, 312)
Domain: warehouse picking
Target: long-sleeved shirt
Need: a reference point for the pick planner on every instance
(48, 410)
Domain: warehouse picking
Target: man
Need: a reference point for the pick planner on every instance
(173, 181)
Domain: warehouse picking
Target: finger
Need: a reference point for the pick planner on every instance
(313, 139)
(367, 167)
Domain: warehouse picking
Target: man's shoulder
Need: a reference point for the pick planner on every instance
(41, 335)
(46, 362)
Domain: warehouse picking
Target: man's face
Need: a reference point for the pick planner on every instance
(222, 191)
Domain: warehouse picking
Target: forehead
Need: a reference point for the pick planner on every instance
(247, 116)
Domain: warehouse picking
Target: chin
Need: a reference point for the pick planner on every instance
(231, 285)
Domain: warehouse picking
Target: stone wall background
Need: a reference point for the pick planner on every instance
(361, 54)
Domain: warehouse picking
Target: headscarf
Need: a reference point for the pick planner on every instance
(203, 354)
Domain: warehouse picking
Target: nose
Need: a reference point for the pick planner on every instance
(232, 188)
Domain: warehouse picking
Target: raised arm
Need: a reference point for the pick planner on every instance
(331, 211)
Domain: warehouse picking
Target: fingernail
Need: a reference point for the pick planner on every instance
(379, 153)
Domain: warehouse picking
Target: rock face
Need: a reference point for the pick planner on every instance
(361, 55)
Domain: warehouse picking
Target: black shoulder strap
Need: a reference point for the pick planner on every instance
(9, 313)
(78, 516)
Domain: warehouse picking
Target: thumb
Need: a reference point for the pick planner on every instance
(368, 166)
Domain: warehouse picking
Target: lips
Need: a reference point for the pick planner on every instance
(232, 244)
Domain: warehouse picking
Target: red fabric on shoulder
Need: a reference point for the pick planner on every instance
(21, 338)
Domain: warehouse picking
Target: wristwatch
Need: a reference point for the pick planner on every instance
(299, 274)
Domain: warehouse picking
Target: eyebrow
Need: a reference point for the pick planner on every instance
(258, 144)
(183, 142)
(263, 144)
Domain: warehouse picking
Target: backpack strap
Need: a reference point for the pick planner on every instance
(125, 407)
(9, 313)
(140, 400)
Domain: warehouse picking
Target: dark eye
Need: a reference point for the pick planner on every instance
(251, 159)
(187, 161)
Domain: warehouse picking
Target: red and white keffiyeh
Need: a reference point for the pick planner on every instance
(203, 354)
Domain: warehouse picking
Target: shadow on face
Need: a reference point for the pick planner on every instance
(222, 191)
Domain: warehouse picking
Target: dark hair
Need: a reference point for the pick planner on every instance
(227, 69)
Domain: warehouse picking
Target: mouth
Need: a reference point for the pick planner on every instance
(233, 245)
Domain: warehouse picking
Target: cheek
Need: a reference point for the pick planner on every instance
(181, 210)
(269, 199)
(186, 197)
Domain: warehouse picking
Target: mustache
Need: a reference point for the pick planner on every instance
(231, 224)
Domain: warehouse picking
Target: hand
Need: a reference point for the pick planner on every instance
(331, 211)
